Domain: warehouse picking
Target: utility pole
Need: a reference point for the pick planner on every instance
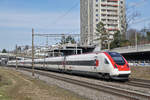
(88, 22)
(108, 38)
(108, 44)
(16, 57)
(136, 41)
(76, 48)
(32, 52)
(44, 58)
(47, 41)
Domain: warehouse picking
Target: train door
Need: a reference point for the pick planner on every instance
(95, 64)
(44, 63)
(101, 63)
(98, 63)
(64, 63)
(106, 65)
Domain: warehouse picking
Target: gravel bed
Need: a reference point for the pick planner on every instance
(82, 91)
(114, 84)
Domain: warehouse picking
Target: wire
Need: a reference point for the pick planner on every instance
(66, 13)
(140, 21)
(139, 4)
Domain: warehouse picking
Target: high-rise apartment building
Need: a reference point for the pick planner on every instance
(110, 12)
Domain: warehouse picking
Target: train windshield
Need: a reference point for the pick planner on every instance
(118, 59)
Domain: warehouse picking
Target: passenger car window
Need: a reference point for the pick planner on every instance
(106, 61)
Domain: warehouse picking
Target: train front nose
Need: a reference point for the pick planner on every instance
(124, 67)
(121, 69)
(122, 72)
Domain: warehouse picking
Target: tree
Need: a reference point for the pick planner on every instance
(63, 40)
(68, 39)
(125, 43)
(26, 47)
(130, 16)
(119, 41)
(103, 35)
(145, 35)
(133, 34)
(148, 36)
(19, 48)
(4, 51)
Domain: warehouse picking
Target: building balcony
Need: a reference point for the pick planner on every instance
(107, 7)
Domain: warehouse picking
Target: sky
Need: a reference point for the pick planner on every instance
(18, 17)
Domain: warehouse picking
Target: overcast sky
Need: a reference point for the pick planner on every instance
(18, 17)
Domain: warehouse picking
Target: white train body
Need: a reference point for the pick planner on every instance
(105, 64)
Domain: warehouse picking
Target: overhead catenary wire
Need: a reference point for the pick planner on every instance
(140, 21)
(139, 3)
(66, 13)
(135, 5)
(58, 19)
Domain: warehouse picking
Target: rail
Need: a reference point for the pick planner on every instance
(130, 94)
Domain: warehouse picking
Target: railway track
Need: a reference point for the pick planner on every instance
(139, 83)
(140, 80)
(132, 82)
(129, 94)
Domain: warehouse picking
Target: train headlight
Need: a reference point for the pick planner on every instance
(128, 66)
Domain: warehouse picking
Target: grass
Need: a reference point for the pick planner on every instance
(15, 86)
(4, 85)
(140, 72)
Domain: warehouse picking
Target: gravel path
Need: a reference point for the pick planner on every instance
(82, 91)
(85, 92)
(114, 84)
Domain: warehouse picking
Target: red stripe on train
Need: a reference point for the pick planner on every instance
(97, 63)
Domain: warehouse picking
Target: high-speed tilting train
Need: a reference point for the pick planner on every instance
(108, 65)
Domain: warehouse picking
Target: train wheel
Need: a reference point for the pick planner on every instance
(107, 77)
(60, 70)
(100, 76)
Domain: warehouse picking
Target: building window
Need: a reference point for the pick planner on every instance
(103, 15)
(97, 15)
(96, 25)
(121, 2)
(96, 0)
(103, 0)
(96, 10)
(103, 10)
(97, 20)
(103, 20)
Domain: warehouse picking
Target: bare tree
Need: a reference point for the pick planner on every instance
(130, 16)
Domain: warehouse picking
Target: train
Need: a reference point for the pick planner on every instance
(107, 65)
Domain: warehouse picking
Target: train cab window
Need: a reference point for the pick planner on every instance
(118, 59)
(106, 61)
